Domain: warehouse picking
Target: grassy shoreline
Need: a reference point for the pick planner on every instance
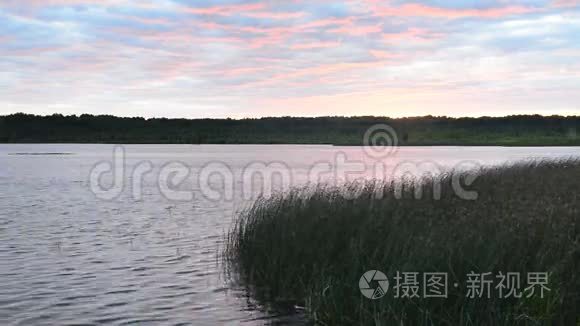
(310, 144)
(309, 247)
(520, 143)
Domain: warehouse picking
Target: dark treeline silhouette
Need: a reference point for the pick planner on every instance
(428, 130)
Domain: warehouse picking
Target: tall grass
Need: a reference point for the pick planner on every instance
(311, 245)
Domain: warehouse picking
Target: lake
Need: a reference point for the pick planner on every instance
(99, 234)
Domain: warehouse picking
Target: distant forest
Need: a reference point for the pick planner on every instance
(522, 130)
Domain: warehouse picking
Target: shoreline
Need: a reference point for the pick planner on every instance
(297, 144)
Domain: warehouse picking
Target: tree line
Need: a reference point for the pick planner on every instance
(427, 130)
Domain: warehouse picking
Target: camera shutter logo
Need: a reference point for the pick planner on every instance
(374, 278)
(380, 141)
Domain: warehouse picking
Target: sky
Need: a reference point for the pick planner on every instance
(238, 58)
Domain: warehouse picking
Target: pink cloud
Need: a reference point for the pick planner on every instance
(279, 30)
(225, 9)
(356, 30)
(233, 72)
(32, 52)
(335, 67)
(274, 35)
(326, 22)
(412, 33)
(177, 37)
(50, 2)
(420, 10)
(311, 72)
(152, 21)
(275, 15)
(265, 36)
(43, 3)
(314, 45)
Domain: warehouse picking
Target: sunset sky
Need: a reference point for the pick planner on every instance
(202, 58)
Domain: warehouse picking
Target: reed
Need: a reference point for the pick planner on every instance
(309, 247)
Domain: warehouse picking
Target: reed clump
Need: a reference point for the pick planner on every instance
(309, 247)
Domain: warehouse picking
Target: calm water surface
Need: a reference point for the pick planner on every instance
(68, 257)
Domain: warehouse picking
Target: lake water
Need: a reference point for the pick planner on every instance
(143, 247)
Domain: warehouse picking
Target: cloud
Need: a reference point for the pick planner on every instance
(421, 10)
(566, 3)
(233, 56)
(314, 45)
(225, 9)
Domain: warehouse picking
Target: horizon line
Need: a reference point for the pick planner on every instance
(78, 115)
